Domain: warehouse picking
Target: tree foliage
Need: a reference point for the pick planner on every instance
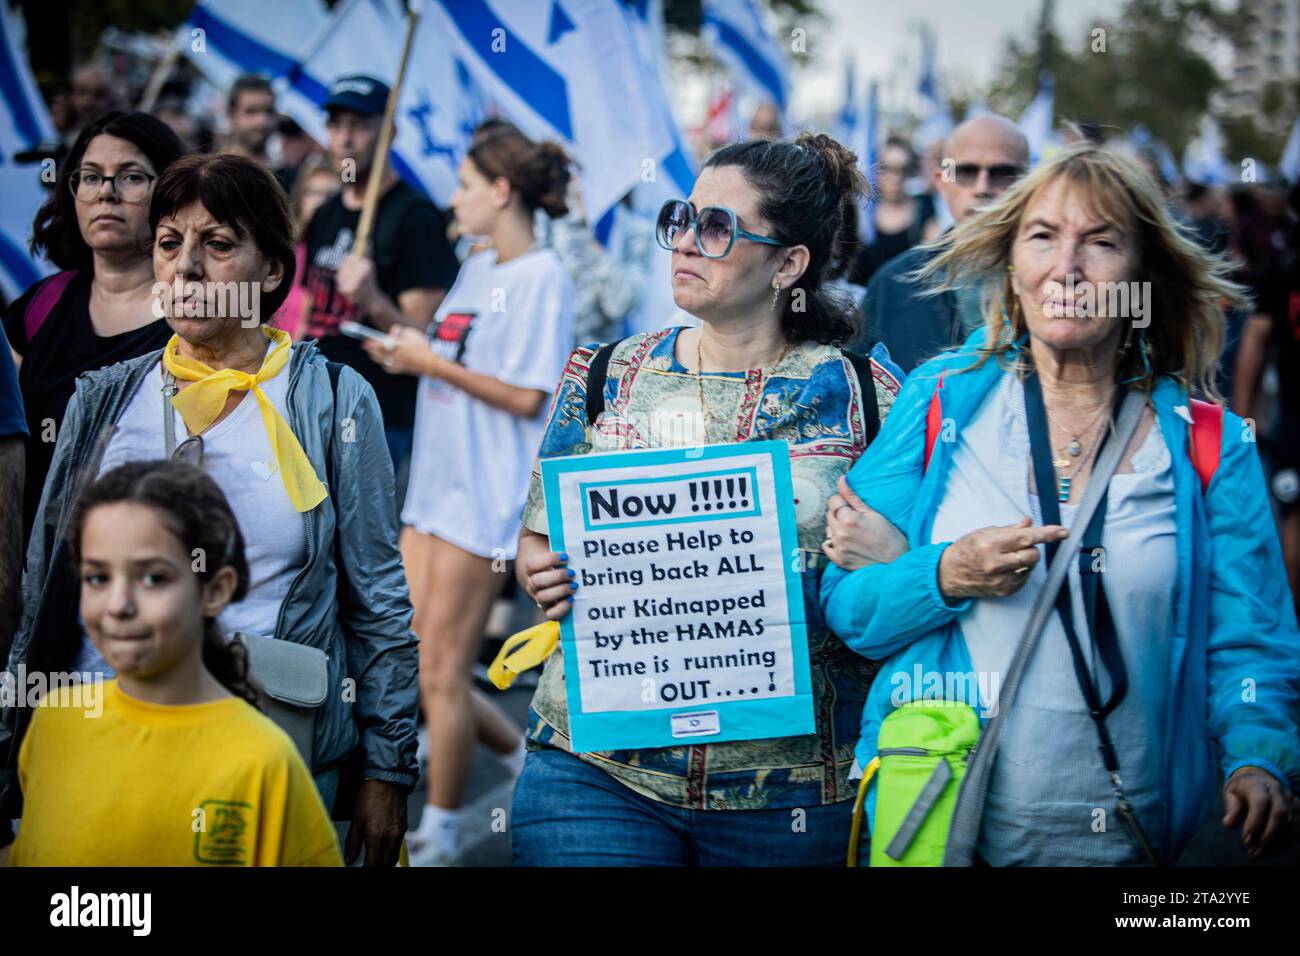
(1142, 66)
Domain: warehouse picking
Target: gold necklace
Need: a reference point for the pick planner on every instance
(699, 380)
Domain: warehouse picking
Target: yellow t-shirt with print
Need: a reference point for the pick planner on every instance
(117, 781)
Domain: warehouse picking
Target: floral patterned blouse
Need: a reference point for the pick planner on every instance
(810, 399)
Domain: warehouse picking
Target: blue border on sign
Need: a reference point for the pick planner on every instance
(739, 720)
(751, 473)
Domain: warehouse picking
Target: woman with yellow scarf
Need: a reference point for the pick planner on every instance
(296, 445)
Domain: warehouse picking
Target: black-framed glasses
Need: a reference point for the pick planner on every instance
(1001, 175)
(131, 186)
(715, 228)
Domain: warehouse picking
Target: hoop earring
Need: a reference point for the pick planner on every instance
(1146, 359)
(776, 294)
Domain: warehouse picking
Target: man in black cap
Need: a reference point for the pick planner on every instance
(402, 278)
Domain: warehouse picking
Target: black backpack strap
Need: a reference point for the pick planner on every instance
(867, 383)
(597, 371)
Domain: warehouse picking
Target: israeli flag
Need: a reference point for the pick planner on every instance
(868, 150)
(24, 123)
(227, 38)
(647, 20)
(847, 123)
(1141, 138)
(936, 119)
(439, 107)
(1036, 122)
(571, 71)
(735, 34)
(674, 178)
(1289, 164)
(1203, 160)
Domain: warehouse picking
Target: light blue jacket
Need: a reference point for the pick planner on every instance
(1235, 660)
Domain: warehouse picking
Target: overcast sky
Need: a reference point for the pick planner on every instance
(971, 35)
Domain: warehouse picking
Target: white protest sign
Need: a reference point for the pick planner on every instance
(688, 621)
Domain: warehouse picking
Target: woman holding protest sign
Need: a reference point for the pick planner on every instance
(750, 251)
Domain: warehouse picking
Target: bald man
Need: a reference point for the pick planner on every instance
(980, 160)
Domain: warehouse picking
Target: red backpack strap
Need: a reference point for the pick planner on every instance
(1207, 439)
(933, 421)
(44, 301)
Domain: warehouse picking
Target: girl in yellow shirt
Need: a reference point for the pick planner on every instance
(169, 764)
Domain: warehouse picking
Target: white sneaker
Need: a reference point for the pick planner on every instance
(430, 855)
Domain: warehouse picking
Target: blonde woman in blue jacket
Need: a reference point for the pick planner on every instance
(1195, 589)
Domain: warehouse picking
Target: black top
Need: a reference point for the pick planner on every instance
(870, 256)
(411, 251)
(64, 347)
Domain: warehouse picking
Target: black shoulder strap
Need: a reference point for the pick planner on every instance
(867, 384)
(596, 374)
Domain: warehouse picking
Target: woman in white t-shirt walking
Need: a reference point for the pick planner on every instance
(489, 363)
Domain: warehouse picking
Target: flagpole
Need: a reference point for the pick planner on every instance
(161, 74)
(379, 165)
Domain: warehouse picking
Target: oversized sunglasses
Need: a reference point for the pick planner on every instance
(715, 228)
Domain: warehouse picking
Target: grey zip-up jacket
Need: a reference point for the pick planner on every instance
(363, 622)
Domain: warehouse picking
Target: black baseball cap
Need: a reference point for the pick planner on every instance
(358, 94)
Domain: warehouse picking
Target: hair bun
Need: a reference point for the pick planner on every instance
(552, 178)
(841, 164)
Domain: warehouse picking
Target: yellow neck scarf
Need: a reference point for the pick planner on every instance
(202, 401)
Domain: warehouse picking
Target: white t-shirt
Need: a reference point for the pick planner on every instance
(471, 462)
(237, 454)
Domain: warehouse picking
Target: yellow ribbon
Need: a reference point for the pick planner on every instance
(521, 651)
(855, 831)
(202, 401)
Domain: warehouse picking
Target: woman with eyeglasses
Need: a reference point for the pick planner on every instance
(751, 248)
(298, 449)
(94, 227)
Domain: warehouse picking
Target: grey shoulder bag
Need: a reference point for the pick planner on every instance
(292, 679)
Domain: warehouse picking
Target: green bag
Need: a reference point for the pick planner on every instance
(923, 749)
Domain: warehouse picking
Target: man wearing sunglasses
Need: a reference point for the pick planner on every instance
(979, 162)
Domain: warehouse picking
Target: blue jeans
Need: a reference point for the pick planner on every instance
(327, 782)
(569, 813)
(400, 443)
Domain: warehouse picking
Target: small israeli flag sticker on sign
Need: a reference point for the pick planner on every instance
(698, 723)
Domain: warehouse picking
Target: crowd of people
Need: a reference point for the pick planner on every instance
(274, 454)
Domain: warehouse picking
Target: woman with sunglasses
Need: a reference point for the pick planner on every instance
(95, 227)
(298, 449)
(750, 252)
